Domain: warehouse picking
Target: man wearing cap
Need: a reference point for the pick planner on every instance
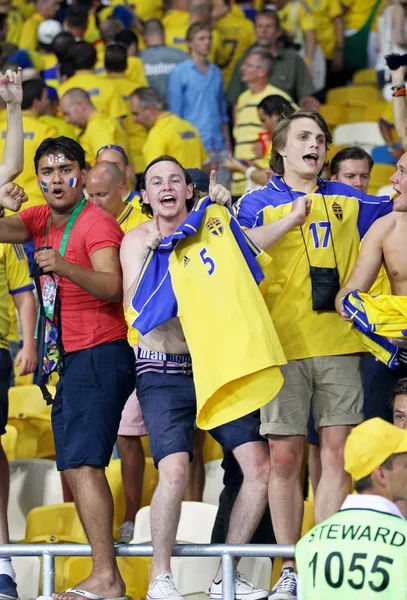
(362, 549)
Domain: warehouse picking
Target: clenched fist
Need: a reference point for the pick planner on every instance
(12, 196)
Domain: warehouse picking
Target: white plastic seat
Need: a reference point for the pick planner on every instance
(386, 190)
(33, 482)
(213, 482)
(358, 134)
(195, 525)
(27, 570)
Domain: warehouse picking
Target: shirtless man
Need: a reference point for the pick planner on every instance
(168, 402)
(383, 243)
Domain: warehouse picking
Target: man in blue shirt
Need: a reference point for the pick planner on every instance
(195, 93)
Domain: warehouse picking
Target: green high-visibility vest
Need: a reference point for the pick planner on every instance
(356, 553)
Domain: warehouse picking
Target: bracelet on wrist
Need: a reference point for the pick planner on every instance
(401, 91)
(398, 87)
(249, 171)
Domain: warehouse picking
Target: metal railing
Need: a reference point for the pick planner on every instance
(226, 552)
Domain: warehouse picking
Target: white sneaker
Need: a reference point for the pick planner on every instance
(126, 532)
(244, 590)
(163, 588)
(286, 586)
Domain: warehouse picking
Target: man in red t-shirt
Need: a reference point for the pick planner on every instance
(98, 372)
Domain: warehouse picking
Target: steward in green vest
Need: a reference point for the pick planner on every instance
(361, 551)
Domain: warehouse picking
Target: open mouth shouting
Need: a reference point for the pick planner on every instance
(58, 192)
(311, 159)
(168, 200)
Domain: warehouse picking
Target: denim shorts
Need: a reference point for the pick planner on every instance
(6, 368)
(168, 403)
(90, 396)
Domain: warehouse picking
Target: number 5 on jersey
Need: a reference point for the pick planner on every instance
(207, 261)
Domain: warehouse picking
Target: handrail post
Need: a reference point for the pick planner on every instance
(48, 574)
(228, 577)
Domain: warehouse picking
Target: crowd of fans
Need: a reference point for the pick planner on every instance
(131, 114)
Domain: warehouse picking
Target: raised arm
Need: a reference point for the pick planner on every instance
(13, 156)
(265, 236)
(12, 229)
(134, 249)
(368, 263)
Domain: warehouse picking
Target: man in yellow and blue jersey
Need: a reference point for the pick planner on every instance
(117, 155)
(102, 92)
(323, 373)
(165, 384)
(98, 129)
(167, 133)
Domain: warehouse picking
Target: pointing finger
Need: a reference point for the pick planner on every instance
(212, 180)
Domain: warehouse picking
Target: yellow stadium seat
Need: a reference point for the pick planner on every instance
(134, 570)
(56, 523)
(212, 449)
(374, 111)
(276, 572)
(114, 478)
(150, 481)
(308, 521)
(28, 400)
(146, 445)
(30, 430)
(53, 379)
(24, 379)
(9, 442)
(380, 176)
(46, 445)
(332, 150)
(360, 95)
(334, 114)
(355, 114)
(365, 77)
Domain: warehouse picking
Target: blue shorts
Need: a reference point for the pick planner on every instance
(168, 404)
(90, 396)
(6, 369)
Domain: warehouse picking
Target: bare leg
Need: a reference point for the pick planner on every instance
(335, 483)
(314, 465)
(66, 490)
(285, 492)
(4, 492)
(196, 478)
(166, 508)
(94, 503)
(131, 453)
(251, 501)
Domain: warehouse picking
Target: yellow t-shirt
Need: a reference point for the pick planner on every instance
(35, 132)
(136, 133)
(102, 130)
(92, 33)
(236, 35)
(175, 34)
(357, 13)
(62, 127)
(176, 137)
(247, 128)
(15, 20)
(204, 269)
(28, 35)
(335, 214)
(102, 92)
(149, 9)
(289, 16)
(134, 71)
(325, 11)
(14, 279)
